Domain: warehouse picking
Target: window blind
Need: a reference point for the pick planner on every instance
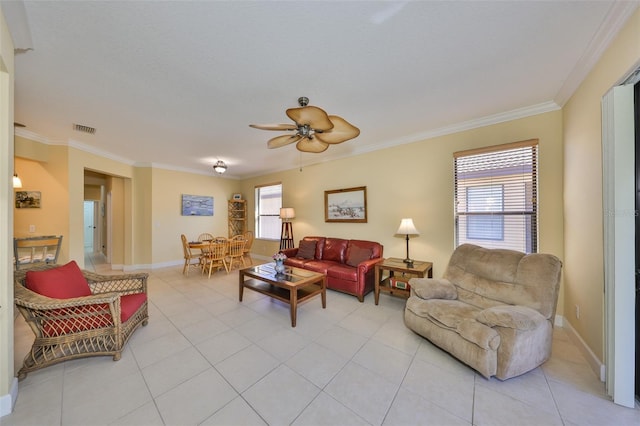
(269, 201)
(495, 196)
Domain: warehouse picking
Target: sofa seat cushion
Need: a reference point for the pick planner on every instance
(64, 282)
(447, 313)
(510, 316)
(318, 266)
(296, 262)
(342, 272)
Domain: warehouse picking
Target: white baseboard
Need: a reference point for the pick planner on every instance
(8, 401)
(131, 268)
(596, 365)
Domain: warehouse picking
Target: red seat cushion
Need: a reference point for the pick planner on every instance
(89, 317)
(129, 304)
(64, 282)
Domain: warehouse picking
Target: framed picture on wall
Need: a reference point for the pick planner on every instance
(197, 205)
(237, 196)
(28, 199)
(346, 205)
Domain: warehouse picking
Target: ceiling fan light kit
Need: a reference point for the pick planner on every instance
(314, 129)
(220, 167)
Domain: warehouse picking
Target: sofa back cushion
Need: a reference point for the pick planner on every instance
(335, 249)
(493, 277)
(64, 282)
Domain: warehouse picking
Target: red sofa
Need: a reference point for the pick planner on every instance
(348, 264)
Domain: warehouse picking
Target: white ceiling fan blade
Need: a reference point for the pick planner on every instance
(280, 141)
(342, 131)
(315, 117)
(312, 145)
(274, 126)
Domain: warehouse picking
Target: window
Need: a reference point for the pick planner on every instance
(268, 203)
(495, 195)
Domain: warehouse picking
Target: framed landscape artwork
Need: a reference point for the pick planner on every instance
(197, 205)
(28, 199)
(346, 205)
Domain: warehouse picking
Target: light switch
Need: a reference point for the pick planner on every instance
(32, 228)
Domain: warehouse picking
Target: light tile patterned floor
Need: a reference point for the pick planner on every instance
(206, 358)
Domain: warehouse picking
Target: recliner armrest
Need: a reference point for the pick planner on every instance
(433, 288)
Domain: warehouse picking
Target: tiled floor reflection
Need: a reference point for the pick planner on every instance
(207, 359)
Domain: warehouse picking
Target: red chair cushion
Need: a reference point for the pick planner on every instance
(89, 317)
(129, 304)
(64, 282)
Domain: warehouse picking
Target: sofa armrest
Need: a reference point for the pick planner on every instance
(433, 288)
(290, 252)
(368, 265)
(511, 316)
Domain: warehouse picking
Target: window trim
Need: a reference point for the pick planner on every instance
(529, 191)
(257, 215)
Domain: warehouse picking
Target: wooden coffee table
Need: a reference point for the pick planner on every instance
(292, 286)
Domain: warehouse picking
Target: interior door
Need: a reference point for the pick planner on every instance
(636, 102)
(89, 226)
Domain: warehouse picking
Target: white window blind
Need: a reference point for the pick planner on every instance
(268, 203)
(495, 195)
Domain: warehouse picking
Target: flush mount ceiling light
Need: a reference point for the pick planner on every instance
(220, 167)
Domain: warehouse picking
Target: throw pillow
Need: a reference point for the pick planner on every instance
(64, 282)
(307, 249)
(358, 255)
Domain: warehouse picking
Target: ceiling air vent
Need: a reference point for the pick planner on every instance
(84, 129)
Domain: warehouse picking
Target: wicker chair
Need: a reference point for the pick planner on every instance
(83, 326)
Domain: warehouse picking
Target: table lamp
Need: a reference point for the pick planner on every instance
(407, 228)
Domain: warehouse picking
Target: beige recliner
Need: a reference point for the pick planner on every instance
(493, 309)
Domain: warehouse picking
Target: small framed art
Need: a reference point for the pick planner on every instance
(346, 205)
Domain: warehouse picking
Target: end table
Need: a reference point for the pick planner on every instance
(397, 266)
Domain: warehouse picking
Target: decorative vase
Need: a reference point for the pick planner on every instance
(279, 266)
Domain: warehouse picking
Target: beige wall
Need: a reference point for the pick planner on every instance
(167, 222)
(584, 269)
(416, 180)
(50, 178)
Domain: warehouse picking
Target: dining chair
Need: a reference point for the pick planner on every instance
(236, 251)
(216, 257)
(189, 256)
(246, 252)
(205, 237)
(33, 251)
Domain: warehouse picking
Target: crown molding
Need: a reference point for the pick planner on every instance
(618, 15)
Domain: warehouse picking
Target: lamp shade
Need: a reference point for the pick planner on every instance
(407, 227)
(287, 213)
(17, 183)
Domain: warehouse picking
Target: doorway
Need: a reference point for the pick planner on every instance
(91, 234)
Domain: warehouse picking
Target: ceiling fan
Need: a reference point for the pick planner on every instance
(314, 130)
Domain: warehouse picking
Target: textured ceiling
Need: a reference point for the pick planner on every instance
(176, 84)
